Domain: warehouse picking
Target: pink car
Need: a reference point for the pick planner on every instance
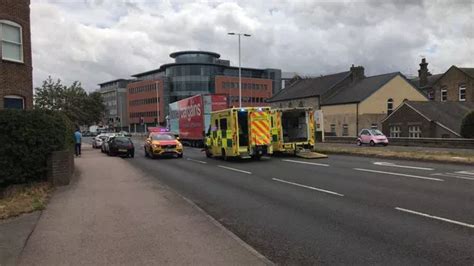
(371, 137)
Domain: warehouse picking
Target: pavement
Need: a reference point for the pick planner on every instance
(339, 210)
(14, 233)
(117, 214)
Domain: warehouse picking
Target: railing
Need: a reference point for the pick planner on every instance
(424, 142)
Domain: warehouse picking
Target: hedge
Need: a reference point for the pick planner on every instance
(27, 138)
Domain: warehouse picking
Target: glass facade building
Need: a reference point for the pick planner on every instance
(194, 72)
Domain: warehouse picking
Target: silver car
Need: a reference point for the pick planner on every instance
(98, 140)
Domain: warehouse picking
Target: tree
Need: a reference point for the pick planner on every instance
(467, 125)
(81, 108)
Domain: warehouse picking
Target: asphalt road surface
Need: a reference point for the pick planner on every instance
(340, 210)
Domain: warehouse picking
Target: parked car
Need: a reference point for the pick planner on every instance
(158, 144)
(118, 145)
(125, 133)
(98, 140)
(105, 144)
(372, 137)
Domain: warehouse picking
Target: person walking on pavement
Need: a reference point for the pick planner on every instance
(78, 140)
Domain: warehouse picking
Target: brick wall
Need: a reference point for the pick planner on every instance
(16, 78)
(405, 117)
(139, 101)
(255, 91)
(60, 167)
(451, 81)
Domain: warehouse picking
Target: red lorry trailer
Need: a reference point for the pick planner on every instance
(189, 118)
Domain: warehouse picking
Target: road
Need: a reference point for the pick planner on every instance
(340, 210)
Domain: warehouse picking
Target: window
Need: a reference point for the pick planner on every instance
(444, 95)
(345, 130)
(462, 93)
(431, 95)
(13, 102)
(11, 41)
(223, 126)
(414, 132)
(389, 106)
(333, 129)
(374, 126)
(395, 131)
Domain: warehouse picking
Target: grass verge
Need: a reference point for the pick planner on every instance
(438, 156)
(18, 199)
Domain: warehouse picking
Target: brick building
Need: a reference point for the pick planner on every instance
(426, 119)
(144, 103)
(255, 91)
(454, 85)
(16, 85)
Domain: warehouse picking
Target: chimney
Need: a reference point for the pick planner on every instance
(357, 73)
(423, 73)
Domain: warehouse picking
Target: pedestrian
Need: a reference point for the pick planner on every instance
(78, 140)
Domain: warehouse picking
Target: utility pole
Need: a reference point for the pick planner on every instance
(240, 66)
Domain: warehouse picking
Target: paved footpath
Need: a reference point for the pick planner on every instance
(115, 214)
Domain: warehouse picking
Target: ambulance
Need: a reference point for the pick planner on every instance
(239, 132)
(292, 130)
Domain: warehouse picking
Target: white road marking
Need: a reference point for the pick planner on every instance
(402, 166)
(308, 187)
(398, 174)
(303, 162)
(197, 161)
(233, 169)
(435, 217)
(454, 176)
(465, 172)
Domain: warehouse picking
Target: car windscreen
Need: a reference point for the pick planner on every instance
(103, 137)
(376, 132)
(162, 137)
(120, 140)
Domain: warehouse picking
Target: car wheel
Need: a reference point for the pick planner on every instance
(372, 143)
(132, 154)
(208, 153)
(180, 155)
(358, 142)
(385, 144)
(224, 155)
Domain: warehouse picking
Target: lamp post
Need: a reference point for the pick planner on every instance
(157, 105)
(240, 68)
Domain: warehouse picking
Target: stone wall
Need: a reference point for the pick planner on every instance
(60, 167)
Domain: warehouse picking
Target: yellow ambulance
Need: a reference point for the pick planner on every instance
(239, 132)
(292, 129)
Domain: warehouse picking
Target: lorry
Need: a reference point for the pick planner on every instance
(189, 118)
(239, 132)
(293, 130)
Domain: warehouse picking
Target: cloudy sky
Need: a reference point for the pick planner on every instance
(99, 40)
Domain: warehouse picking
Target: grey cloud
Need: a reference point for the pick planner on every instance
(95, 41)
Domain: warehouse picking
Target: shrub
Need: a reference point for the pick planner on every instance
(467, 126)
(27, 138)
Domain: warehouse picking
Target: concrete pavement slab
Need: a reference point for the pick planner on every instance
(14, 233)
(115, 214)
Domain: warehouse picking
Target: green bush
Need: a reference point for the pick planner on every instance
(27, 138)
(467, 126)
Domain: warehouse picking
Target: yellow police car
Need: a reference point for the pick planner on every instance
(162, 144)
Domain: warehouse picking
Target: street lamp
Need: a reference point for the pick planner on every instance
(240, 68)
(157, 105)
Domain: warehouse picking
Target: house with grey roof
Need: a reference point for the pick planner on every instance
(456, 84)
(349, 101)
(430, 119)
